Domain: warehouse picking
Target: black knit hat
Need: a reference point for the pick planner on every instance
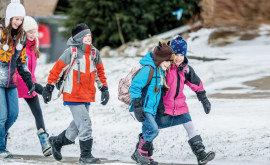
(79, 28)
(163, 52)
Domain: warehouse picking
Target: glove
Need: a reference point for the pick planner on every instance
(105, 96)
(39, 88)
(47, 93)
(205, 102)
(31, 87)
(138, 109)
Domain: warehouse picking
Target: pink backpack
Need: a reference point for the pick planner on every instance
(125, 83)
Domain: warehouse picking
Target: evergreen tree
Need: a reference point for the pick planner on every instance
(116, 22)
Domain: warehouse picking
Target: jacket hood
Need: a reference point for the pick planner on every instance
(72, 43)
(148, 60)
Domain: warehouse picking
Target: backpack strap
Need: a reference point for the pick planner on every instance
(72, 61)
(151, 73)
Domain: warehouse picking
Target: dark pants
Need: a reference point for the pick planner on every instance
(36, 111)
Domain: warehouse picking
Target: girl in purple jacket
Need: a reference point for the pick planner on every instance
(173, 109)
(31, 27)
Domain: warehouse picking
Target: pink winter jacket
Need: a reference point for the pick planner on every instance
(175, 100)
(31, 62)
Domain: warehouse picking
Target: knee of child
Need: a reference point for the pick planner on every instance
(155, 131)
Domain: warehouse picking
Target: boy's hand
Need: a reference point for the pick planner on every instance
(105, 96)
(204, 100)
(47, 93)
(138, 109)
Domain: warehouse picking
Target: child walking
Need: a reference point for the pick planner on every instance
(78, 92)
(12, 56)
(145, 98)
(174, 110)
(31, 28)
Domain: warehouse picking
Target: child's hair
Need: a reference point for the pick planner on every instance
(7, 32)
(37, 52)
(156, 90)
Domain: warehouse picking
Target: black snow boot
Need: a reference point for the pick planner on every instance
(198, 149)
(141, 152)
(57, 142)
(86, 155)
(150, 153)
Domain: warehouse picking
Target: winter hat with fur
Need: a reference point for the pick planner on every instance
(163, 52)
(29, 24)
(79, 31)
(15, 8)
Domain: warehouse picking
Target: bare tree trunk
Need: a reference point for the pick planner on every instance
(119, 29)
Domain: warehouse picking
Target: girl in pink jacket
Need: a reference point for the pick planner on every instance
(31, 27)
(173, 109)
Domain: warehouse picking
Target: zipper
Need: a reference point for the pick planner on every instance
(178, 86)
(146, 101)
(156, 101)
(10, 64)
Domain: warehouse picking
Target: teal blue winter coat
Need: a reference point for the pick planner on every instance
(138, 88)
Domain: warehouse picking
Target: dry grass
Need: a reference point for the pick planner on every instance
(243, 14)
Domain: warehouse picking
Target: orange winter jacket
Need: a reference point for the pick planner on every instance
(90, 67)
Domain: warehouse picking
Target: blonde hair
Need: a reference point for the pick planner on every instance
(161, 81)
(37, 52)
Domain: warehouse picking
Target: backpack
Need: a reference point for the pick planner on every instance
(60, 83)
(125, 83)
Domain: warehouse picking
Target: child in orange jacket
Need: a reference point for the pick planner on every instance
(79, 90)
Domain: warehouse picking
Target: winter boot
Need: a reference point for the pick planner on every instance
(86, 153)
(44, 141)
(150, 153)
(5, 155)
(57, 142)
(141, 153)
(198, 149)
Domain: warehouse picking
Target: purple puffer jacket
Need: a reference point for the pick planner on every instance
(32, 62)
(175, 100)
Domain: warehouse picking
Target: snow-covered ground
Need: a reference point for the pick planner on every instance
(238, 130)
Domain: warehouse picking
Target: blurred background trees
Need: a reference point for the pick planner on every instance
(116, 22)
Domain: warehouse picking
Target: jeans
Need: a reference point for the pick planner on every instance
(8, 113)
(152, 124)
(149, 127)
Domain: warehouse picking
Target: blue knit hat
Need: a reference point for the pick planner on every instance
(179, 46)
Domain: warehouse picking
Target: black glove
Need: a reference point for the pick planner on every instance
(105, 96)
(47, 93)
(39, 88)
(31, 87)
(138, 109)
(205, 102)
